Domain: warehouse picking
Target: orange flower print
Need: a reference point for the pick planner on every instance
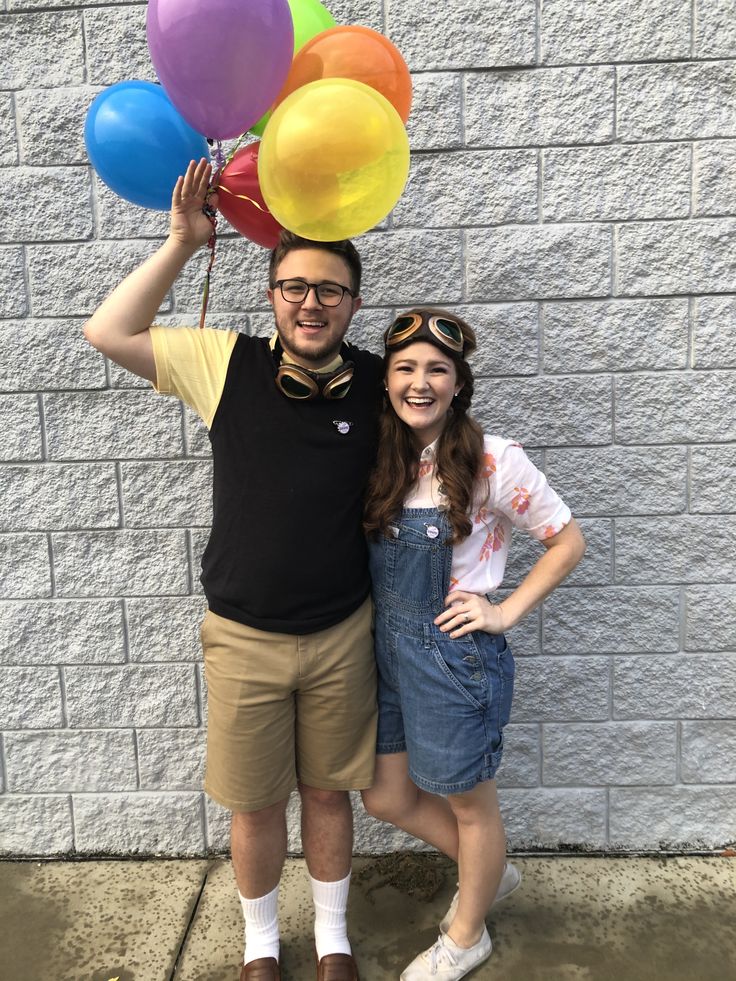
(489, 465)
(520, 500)
(454, 583)
(425, 468)
(481, 517)
(494, 541)
(550, 530)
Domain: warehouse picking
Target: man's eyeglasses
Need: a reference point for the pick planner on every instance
(417, 326)
(328, 294)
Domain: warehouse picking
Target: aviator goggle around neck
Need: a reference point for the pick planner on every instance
(298, 382)
(440, 330)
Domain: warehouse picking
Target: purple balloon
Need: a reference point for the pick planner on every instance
(222, 62)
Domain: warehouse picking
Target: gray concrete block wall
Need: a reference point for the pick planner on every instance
(572, 193)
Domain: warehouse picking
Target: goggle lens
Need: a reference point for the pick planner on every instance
(447, 332)
(402, 327)
(295, 388)
(338, 391)
(449, 329)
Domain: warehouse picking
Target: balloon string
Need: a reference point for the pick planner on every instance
(218, 156)
(243, 197)
(211, 245)
(212, 215)
(235, 148)
(219, 161)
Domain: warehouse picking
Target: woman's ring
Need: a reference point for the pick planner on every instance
(466, 618)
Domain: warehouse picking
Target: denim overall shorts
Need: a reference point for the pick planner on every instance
(444, 702)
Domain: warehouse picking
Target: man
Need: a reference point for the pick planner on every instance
(287, 641)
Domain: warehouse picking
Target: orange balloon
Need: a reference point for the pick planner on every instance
(353, 52)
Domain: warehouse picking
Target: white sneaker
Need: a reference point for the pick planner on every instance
(446, 961)
(510, 881)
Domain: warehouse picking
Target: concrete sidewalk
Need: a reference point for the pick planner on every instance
(573, 919)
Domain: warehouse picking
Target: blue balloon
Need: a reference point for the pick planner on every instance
(139, 144)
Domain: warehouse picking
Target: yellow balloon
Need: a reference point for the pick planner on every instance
(333, 160)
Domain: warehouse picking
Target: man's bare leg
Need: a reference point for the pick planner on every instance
(327, 839)
(258, 842)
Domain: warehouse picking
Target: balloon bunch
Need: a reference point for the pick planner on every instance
(330, 102)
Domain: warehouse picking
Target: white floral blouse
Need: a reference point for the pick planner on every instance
(518, 496)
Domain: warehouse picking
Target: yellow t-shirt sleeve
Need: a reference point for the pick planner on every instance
(192, 365)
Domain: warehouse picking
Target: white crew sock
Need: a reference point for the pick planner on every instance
(261, 926)
(330, 923)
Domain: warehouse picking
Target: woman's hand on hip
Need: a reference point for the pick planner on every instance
(467, 612)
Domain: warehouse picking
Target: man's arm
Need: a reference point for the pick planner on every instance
(119, 326)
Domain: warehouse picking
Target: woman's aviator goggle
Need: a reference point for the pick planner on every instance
(328, 294)
(415, 326)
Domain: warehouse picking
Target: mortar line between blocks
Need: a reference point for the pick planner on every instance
(613, 551)
(693, 203)
(614, 259)
(26, 277)
(119, 489)
(189, 541)
(136, 756)
(682, 639)
(540, 186)
(464, 285)
(538, 32)
(693, 26)
(72, 822)
(615, 104)
(205, 823)
(540, 338)
(199, 693)
(52, 570)
(126, 631)
(3, 764)
(540, 755)
(17, 129)
(62, 688)
(83, 35)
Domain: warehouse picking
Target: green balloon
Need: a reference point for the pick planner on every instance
(258, 128)
(309, 18)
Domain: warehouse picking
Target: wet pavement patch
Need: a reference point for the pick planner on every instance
(419, 875)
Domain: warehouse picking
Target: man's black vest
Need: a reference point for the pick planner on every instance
(287, 552)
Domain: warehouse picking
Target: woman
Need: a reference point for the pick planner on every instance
(439, 513)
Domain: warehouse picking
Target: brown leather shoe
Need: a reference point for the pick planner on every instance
(337, 967)
(261, 969)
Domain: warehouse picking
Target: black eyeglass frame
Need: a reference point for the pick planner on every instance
(316, 287)
(421, 325)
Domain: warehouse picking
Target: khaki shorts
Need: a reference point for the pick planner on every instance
(285, 707)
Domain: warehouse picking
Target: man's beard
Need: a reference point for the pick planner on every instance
(325, 351)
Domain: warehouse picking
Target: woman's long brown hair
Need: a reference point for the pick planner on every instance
(459, 458)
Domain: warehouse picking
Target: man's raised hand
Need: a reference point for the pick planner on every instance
(190, 226)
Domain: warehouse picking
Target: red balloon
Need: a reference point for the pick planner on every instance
(240, 199)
